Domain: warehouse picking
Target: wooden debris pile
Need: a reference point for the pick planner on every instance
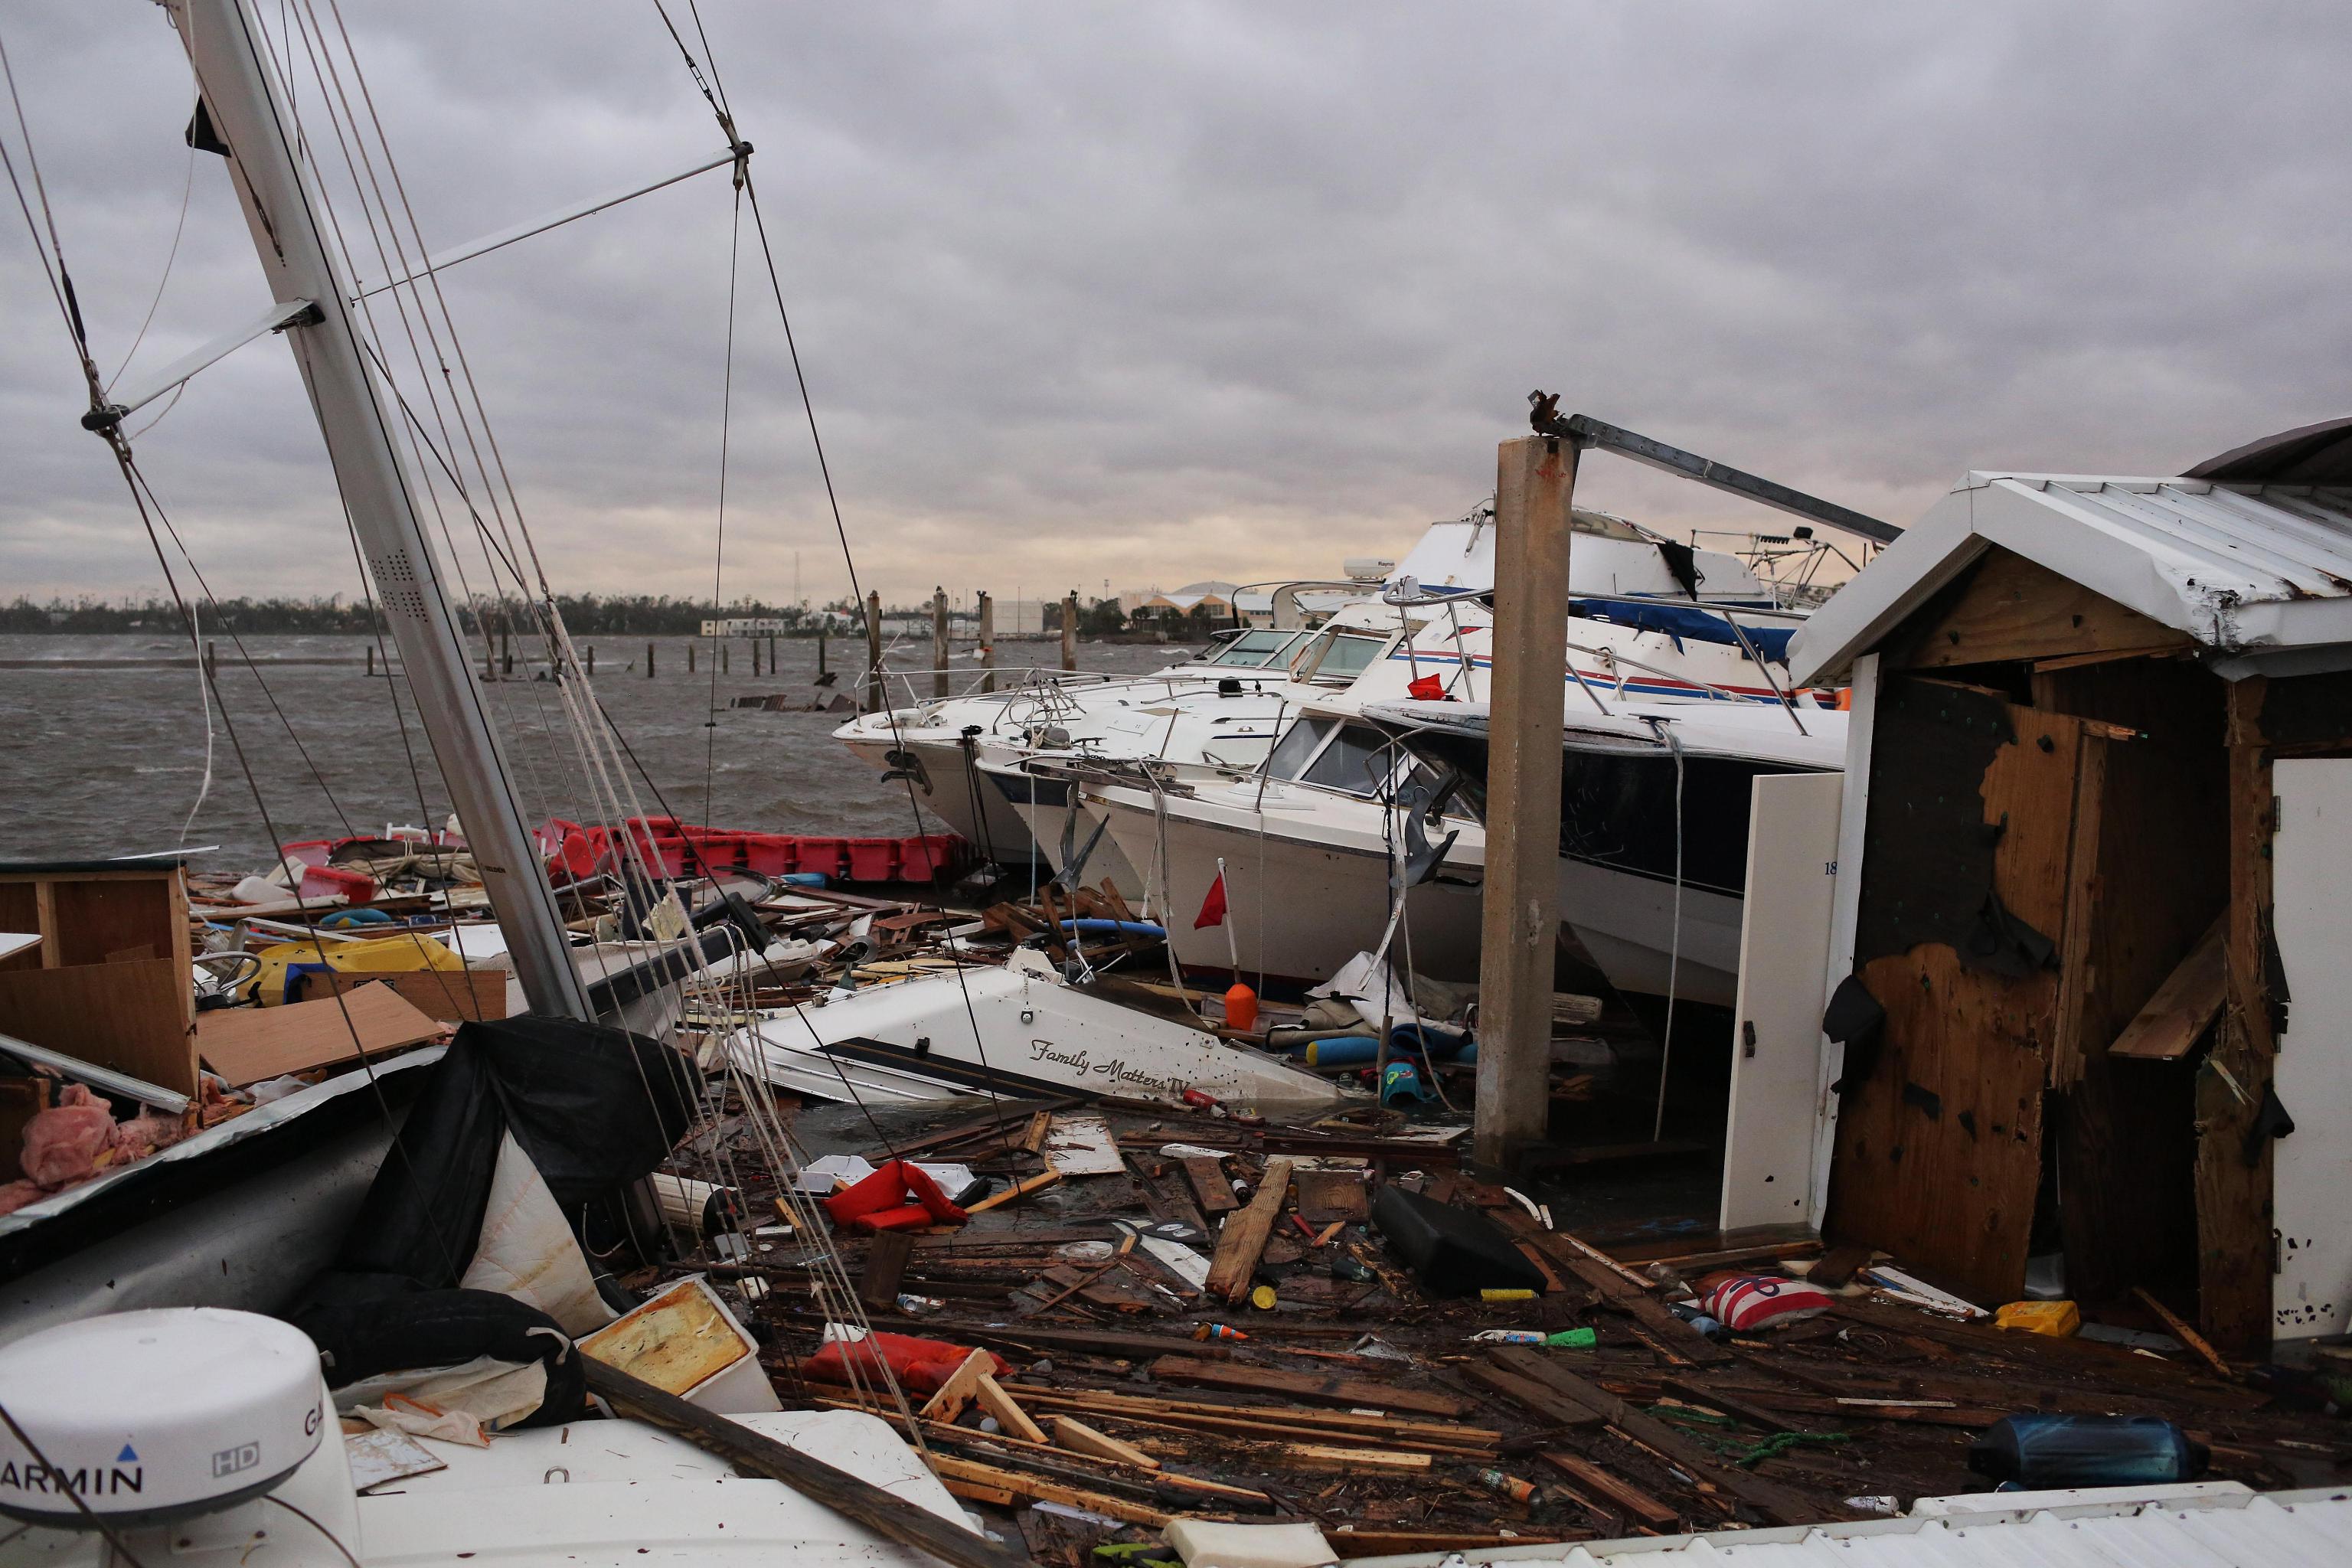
(1209, 1323)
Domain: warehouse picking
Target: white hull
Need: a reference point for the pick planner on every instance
(1627, 924)
(1299, 907)
(1038, 1037)
(1107, 858)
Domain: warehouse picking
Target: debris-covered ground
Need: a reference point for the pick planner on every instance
(1237, 1322)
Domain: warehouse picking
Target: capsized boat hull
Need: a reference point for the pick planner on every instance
(1038, 1037)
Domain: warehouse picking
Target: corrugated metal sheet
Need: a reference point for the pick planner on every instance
(2234, 1529)
(2267, 541)
(2251, 568)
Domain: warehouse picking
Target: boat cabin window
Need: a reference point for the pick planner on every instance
(1359, 761)
(1339, 657)
(1290, 757)
(1256, 650)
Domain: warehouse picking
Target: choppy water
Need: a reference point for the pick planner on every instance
(109, 762)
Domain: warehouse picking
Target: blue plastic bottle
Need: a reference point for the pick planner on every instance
(2039, 1452)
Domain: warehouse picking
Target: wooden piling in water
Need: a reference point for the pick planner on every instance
(874, 695)
(1070, 631)
(987, 643)
(649, 661)
(938, 642)
(592, 661)
(370, 658)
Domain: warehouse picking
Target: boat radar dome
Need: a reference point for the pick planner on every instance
(153, 1416)
(1366, 568)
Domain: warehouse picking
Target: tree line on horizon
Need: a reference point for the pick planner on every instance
(585, 613)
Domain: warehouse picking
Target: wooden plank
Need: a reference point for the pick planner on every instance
(989, 1483)
(1556, 1408)
(452, 996)
(2232, 1195)
(2012, 608)
(1349, 1460)
(1020, 1189)
(1009, 1415)
(248, 1045)
(886, 1267)
(2183, 1007)
(862, 1502)
(1854, 1407)
(1210, 1188)
(1618, 1287)
(1621, 1496)
(128, 1016)
(1777, 1502)
(1075, 1434)
(2077, 972)
(1354, 1392)
(2185, 1334)
(950, 1400)
(1241, 1240)
(1326, 1197)
(1715, 1398)
(1391, 1428)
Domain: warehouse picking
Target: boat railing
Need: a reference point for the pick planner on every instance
(1725, 613)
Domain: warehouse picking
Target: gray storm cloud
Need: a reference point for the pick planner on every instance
(1152, 293)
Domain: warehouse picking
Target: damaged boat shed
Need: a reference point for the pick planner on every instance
(2091, 891)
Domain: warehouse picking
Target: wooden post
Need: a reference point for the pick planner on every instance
(725, 648)
(1535, 478)
(755, 656)
(938, 642)
(506, 653)
(987, 643)
(1070, 631)
(875, 695)
(772, 656)
(370, 658)
(820, 655)
(2235, 1235)
(592, 661)
(212, 659)
(689, 657)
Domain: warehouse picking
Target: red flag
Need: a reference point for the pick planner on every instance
(1213, 908)
(1428, 689)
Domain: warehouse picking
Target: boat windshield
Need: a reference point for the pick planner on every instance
(1296, 747)
(1342, 656)
(1256, 649)
(1359, 761)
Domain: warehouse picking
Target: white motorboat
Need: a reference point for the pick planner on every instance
(1308, 844)
(1020, 1029)
(948, 750)
(1654, 824)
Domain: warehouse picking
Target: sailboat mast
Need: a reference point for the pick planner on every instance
(283, 207)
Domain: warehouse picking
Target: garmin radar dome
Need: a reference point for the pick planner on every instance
(148, 1417)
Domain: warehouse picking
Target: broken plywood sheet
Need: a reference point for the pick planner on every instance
(1329, 1194)
(248, 1044)
(1083, 1146)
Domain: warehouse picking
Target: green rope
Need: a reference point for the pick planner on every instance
(1743, 1456)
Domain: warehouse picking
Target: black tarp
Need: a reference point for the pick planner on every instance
(595, 1107)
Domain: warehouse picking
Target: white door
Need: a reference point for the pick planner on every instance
(2310, 888)
(1776, 1048)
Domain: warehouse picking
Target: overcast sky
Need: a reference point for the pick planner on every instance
(1151, 293)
